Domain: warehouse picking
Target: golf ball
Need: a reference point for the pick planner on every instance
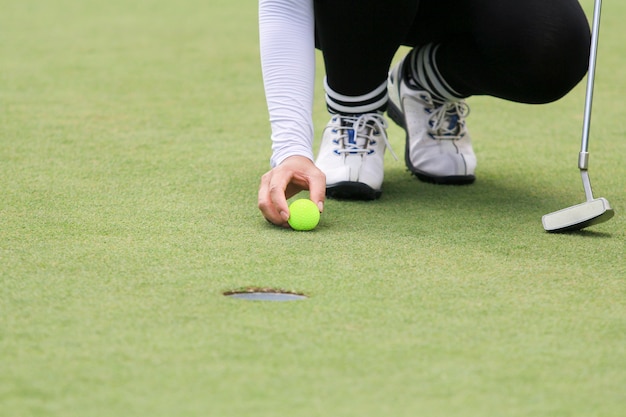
(303, 214)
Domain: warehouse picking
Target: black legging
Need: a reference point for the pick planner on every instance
(530, 51)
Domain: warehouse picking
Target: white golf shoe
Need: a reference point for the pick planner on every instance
(352, 154)
(438, 146)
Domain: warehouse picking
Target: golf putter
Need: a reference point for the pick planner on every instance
(594, 210)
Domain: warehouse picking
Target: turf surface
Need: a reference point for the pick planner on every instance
(132, 139)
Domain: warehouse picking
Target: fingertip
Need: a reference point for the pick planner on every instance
(317, 194)
(318, 197)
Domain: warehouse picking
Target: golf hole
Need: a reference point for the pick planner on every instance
(265, 294)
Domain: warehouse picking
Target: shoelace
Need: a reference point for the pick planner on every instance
(447, 121)
(364, 127)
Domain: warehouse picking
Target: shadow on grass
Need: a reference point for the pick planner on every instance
(486, 195)
(586, 233)
(491, 204)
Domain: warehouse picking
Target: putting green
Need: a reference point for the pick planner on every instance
(132, 139)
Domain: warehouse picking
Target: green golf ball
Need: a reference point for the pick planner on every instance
(303, 214)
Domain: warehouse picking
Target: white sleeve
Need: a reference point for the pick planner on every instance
(287, 46)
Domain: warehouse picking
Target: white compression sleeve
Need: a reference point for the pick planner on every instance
(287, 43)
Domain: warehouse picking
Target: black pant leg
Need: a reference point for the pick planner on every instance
(531, 51)
(359, 38)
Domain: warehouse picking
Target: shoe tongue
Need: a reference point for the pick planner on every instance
(453, 121)
(356, 138)
(352, 137)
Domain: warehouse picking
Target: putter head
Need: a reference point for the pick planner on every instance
(578, 217)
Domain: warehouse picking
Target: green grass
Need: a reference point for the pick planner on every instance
(132, 139)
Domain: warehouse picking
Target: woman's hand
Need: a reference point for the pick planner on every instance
(293, 175)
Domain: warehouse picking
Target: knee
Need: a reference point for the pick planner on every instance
(545, 54)
(555, 63)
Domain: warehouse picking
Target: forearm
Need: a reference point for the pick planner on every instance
(287, 45)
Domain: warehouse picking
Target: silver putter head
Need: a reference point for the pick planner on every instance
(579, 216)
